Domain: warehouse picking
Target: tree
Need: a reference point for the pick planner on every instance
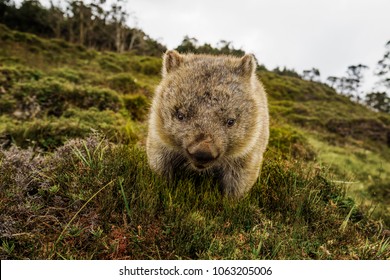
(383, 69)
(286, 72)
(379, 101)
(351, 84)
(311, 75)
(188, 45)
(332, 81)
(55, 19)
(88, 23)
(31, 17)
(191, 45)
(118, 17)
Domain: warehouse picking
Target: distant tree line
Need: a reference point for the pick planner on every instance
(95, 26)
(350, 84)
(88, 24)
(191, 45)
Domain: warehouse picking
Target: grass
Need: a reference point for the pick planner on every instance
(108, 204)
(364, 173)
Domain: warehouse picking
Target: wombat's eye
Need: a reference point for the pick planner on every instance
(230, 122)
(180, 116)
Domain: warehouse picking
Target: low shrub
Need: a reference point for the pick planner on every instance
(90, 96)
(137, 105)
(52, 96)
(9, 75)
(151, 66)
(287, 141)
(123, 82)
(68, 74)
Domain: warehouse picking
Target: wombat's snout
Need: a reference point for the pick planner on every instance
(203, 152)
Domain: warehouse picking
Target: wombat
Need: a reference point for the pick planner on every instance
(209, 113)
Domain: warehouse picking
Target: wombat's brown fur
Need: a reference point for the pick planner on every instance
(209, 113)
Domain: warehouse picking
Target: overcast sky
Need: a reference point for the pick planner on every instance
(326, 34)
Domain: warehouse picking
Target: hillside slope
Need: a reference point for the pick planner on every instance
(74, 182)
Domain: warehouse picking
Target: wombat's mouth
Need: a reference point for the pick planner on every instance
(204, 158)
(201, 165)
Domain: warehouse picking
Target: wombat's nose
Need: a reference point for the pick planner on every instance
(203, 156)
(203, 152)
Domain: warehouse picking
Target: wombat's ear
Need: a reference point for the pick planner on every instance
(171, 61)
(247, 65)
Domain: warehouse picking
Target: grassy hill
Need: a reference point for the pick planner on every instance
(74, 181)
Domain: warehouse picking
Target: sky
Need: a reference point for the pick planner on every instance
(299, 34)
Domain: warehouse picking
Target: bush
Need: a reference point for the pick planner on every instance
(137, 105)
(46, 96)
(46, 134)
(151, 66)
(53, 96)
(68, 74)
(9, 75)
(7, 104)
(123, 83)
(288, 142)
(113, 62)
(89, 96)
(52, 132)
(360, 128)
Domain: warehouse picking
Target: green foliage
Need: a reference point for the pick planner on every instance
(293, 88)
(379, 101)
(78, 22)
(53, 96)
(123, 82)
(69, 74)
(45, 134)
(9, 75)
(191, 45)
(367, 128)
(50, 133)
(380, 192)
(286, 72)
(137, 105)
(287, 141)
(7, 104)
(89, 96)
(151, 66)
(109, 64)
